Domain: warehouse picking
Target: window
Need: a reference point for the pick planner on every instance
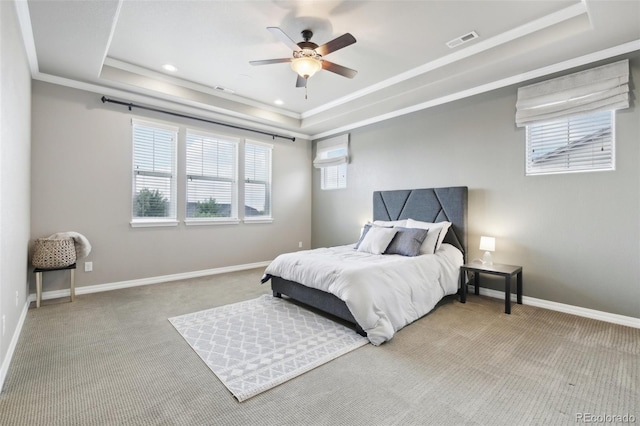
(154, 174)
(211, 165)
(332, 156)
(214, 191)
(334, 177)
(574, 144)
(257, 180)
(570, 120)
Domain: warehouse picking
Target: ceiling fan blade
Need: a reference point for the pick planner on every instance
(301, 82)
(338, 69)
(270, 61)
(280, 35)
(335, 44)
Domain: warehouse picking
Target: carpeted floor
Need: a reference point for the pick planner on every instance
(112, 358)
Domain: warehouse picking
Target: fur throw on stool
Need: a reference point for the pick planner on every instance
(82, 245)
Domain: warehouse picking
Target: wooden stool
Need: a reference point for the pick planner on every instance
(39, 271)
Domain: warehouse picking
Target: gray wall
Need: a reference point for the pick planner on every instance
(15, 128)
(577, 235)
(81, 181)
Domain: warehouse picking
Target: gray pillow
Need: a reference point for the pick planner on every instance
(407, 241)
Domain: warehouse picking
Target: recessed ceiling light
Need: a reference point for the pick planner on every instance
(278, 102)
(169, 67)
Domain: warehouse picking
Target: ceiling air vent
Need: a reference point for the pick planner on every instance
(224, 89)
(462, 39)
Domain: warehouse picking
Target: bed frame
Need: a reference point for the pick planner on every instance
(427, 205)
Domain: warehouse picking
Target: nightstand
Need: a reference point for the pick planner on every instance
(506, 271)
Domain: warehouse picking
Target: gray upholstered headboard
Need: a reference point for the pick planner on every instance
(427, 205)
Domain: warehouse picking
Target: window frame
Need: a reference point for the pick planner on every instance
(341, 169)
(266, 218)
(233, 217)
(332, 158)
(153, 221)
(572, 123)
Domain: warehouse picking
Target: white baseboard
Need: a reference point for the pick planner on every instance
(541, 303)
(54, 294)
(4, 369)
(561, 307)
(554, 306)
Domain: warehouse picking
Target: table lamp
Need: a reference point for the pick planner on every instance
(488, 244)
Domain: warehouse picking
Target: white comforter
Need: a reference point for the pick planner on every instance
(383, 292)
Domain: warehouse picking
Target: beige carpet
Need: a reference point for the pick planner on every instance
(113, 359)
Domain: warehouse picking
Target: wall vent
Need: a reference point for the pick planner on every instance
(462, 39)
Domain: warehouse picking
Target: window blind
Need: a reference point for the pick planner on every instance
(603, 88)
(211, 165)
(154, 170)
(577, 143)
(332, 157)
(257, 182)
(334, 177)
(332, 152)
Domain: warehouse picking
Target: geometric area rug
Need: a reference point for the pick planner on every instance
(255, 345)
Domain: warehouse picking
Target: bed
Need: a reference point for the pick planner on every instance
(331, 289)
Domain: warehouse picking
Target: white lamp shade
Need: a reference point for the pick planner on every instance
(305, 66)
(488, 243)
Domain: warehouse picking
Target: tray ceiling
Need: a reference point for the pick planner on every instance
(401, 55)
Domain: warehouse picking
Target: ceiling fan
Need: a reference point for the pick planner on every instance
(307, 56)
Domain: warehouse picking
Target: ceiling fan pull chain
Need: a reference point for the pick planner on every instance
(306, 80)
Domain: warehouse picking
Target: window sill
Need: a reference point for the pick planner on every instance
(149, 223)
(221, 221)
(258, 220)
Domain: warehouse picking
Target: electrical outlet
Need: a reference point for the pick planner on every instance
(300, 244)
(17, 297)
(88, 266)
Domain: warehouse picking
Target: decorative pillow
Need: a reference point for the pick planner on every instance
(391, 223)
(407, 241)
(443, 233)
(437, 232)
(377, 240)
(364, 231)
(380, 223)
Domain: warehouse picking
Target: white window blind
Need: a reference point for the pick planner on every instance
(154, 171)
(257, 180)
(211, 165)
(604, 88)
(333, 177)
(578, 143)
(332, 157)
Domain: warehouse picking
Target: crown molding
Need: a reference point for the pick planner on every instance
(622, 49)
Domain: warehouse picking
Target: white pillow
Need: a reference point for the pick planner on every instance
(363, 232)
(435, 236)
(377, 240)
(391, 223)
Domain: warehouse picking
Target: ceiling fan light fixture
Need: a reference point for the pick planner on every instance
(306, 66)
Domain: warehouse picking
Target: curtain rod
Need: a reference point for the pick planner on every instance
(176, 114)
